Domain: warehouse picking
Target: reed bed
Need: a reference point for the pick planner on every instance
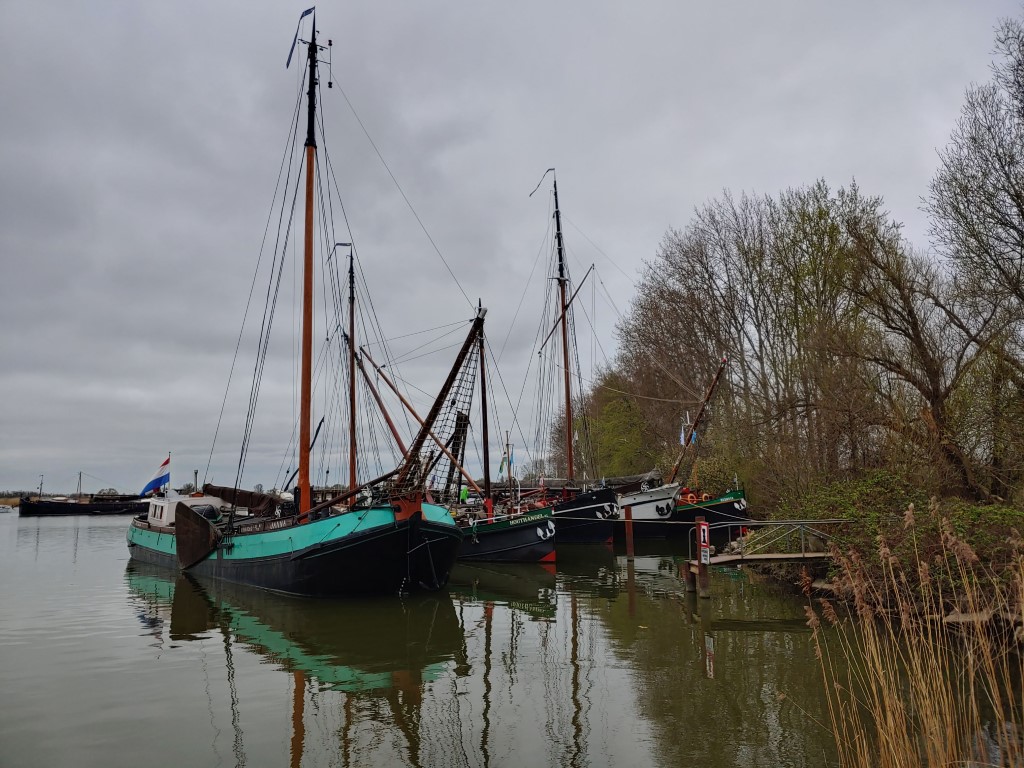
(920, 656)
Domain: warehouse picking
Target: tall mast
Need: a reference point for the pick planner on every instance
(509, 468)
(562, 281)
(488, 500)
(305, 412)
(351, 368)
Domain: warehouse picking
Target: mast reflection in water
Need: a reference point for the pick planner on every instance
(361, 663)
(593, 663)
(596, 663)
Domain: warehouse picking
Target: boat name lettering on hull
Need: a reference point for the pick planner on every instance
(527, 519)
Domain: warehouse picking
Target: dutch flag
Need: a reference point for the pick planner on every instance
(161, 478)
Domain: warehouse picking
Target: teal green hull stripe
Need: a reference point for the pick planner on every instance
(294, 539)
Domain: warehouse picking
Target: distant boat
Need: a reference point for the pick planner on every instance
(6, 508)
(377, 537)
(87, 505)
(106, 502)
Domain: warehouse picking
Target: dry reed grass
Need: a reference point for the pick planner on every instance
(922, 664)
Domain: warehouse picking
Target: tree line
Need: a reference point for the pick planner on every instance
(850, 350)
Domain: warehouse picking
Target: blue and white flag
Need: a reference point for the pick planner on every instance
(160, 479)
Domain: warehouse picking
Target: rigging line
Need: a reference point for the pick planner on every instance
(269, 312)
(97, 479)
(526, 287)
(288, 154)
(404, 197)
(385, 347)
(664, 369)
(395, 377)
(408, 355)
(270, 308)
(515, 415)
(583, 308)
(415, 333)
(630, 394)
(598, 249)
(675, 379)
(365, 293)
(542, 324)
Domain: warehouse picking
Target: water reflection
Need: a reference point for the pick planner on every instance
(603, 662)
(527, 587)
(381, 654)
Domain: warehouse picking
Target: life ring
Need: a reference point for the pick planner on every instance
(705, 497)
(691, 498)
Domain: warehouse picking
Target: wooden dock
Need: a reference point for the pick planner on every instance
(697, 572)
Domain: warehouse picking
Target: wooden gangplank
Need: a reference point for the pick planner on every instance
(757, 557)
(765, 557)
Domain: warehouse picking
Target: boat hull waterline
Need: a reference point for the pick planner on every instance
(46, 508)
(587, 518)
(361, 552)
(529, 538)
(658, 514)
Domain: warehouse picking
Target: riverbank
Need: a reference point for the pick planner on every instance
(920, 629)
(891, 521)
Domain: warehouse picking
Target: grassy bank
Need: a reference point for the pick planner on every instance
(889, 516)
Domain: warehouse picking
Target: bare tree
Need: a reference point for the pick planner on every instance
(976, 199)
(925, 336)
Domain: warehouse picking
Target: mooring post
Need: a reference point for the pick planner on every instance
(704, 558)
(631, 586)
(629, 533)
(686, 571)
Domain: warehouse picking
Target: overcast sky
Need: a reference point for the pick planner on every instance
(140, 144)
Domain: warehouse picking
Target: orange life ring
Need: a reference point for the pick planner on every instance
(705, 497)
(691, 498)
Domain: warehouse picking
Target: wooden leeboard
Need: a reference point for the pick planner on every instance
(196, 537)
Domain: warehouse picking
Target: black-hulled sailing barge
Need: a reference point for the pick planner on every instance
(581, 515)
(375, 537)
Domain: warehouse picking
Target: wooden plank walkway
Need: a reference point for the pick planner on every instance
(765, 557)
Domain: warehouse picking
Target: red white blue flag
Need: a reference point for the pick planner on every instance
(160, 479)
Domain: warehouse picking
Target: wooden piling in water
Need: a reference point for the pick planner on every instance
(629, 532)
(703, 556)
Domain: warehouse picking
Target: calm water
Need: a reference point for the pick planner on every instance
(594, 663)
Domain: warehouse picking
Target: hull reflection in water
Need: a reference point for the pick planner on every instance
(529, 587)
(380, 655)
(348, 645)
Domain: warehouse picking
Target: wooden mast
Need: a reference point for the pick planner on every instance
(488, 499)
(562, 281)
(305, 409)
(351, 368)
